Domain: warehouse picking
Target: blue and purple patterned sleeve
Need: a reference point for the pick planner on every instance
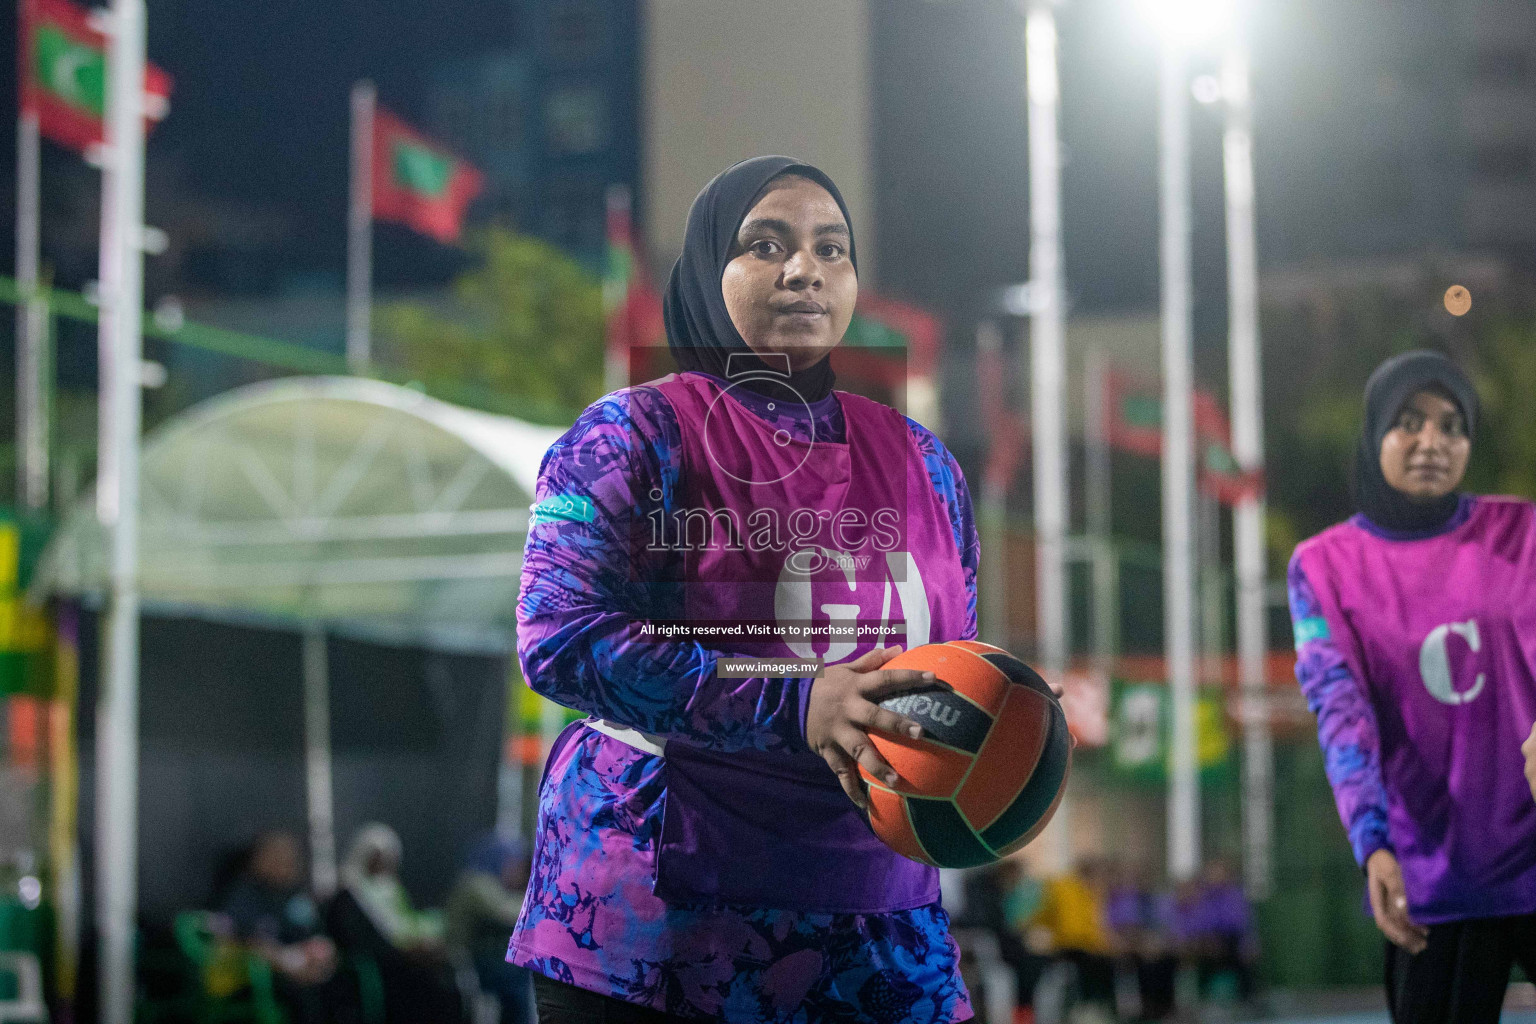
(1346, 722)
(590, 581)
(949, 483)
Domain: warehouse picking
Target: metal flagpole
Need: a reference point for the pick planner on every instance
(360, 231)
(1047, 347)
(616, 351)
(319, 790)
(121, 347)
(1248, 451)
(32, 372)
(1212, 620)
(1098, 499)
(1178, 459)
(994, 509)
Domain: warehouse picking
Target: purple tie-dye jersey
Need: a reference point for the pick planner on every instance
(1346, 721)
(590, 917)
(1437, 632)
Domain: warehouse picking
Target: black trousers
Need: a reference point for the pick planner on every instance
(1461, 975)
(1157, 984)
(559, 1003)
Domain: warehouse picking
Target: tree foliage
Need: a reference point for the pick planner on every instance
(527, 323)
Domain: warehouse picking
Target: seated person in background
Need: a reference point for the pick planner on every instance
(372, 916)
(1227, 943)
(1000, 899)
(271, 913)
(1072, 920)
(478, 920)
(1135, 919)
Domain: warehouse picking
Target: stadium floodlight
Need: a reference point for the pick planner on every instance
(1189, 22)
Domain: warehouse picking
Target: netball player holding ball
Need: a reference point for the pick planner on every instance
(1416, 637)
(701, 852)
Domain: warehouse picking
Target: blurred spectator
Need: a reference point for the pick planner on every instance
(478, 920)
(1226, 940)
(1071, 921)
(372, 917)
(270, 912)
(1141, 934)
(1001, 899)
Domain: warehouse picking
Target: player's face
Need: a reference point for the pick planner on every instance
(1425, 453)
(790, 286)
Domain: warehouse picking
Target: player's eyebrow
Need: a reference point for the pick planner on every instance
(782, 227)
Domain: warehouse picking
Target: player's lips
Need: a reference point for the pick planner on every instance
(805, 307)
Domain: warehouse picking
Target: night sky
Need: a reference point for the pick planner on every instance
(259, 116)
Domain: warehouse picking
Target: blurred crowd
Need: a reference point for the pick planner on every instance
(1102, 943)
(1097, 944)
(267, 946)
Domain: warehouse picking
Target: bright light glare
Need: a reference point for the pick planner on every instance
(1188, 22)
(1206, 89)
(1040, 56)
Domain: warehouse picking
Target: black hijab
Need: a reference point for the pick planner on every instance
(1389, 389)
(699, 329)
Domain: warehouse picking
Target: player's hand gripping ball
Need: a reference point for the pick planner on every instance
(988, 771)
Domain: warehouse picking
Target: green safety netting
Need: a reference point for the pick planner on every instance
(358, 503)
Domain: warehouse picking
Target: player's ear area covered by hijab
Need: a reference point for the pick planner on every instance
(699, 328)
(1390, 387)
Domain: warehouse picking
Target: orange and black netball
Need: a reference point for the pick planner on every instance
(989, 770)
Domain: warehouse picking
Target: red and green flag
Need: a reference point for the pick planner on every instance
(1220, 475)
(63, 73)
(1133, 415)
(1134, 423)
(418, 183)
(631, 303)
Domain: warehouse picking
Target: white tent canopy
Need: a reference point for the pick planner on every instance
(355, 503)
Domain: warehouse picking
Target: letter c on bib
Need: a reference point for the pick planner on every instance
(1435, 663)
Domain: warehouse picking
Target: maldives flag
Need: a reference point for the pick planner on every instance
(1135, 424)
(1133, 415)
(63, 72)
(632, 305)
(1220, 475)
(417, 183)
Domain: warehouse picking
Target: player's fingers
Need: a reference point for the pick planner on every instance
(861, 748)
(873, 716)
(1404, 931)
(1408, 935)
(1396, 933)
(1386, 920)
(1400, 908)
(889, 681)
(847, 775)
(870, 660)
